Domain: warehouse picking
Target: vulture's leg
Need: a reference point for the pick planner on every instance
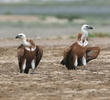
(26, 70)
(28, 65)
(84, 61)
(24, 64)
(92, 53)
(33, 66)
(75, 61)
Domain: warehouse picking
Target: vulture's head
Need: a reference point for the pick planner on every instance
(21, 36)
(86, 27)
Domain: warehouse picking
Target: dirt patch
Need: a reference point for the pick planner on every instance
(53, 81)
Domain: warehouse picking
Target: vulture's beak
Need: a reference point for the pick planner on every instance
(90, 27)
(17, 36)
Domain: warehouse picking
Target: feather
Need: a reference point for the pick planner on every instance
(29, 56)
(91, 53)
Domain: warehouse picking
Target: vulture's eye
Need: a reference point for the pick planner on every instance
(87, 27)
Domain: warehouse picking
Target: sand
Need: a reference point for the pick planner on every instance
(53, 81)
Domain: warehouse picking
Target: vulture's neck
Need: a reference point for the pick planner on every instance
(25, 42)
(84, 34)
(83, 38)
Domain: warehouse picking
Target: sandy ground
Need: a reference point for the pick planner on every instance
(53, 81)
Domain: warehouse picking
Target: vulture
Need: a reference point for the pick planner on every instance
(79, 54)
(29, 54)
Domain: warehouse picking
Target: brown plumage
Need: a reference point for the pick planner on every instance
(76, 50)
(24, 54)
(29, 55)
(73, 53)
(31, 42)
(91, 53)
(78, 53)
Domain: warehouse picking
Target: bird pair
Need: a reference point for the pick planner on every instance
(29, 55)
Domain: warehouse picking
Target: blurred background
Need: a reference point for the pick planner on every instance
(53, 18)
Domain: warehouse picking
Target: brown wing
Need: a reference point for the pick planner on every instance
(68, 58)
(92, 53)
(39, 54)
(66, 51)
(20, 54)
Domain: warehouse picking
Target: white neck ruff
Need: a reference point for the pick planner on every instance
(85, 43)
(84, 35)
(25, 42)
